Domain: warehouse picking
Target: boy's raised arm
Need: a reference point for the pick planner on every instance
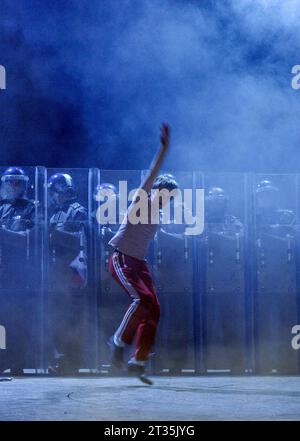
(158, 159)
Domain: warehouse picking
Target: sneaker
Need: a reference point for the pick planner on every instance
(62, 371)
(139, 371)
(16, 372)
(117, 353)
(55, 371)
(63, 367)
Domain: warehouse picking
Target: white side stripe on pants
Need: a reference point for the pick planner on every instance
(120, 331)
(132, 308)
(127, 285)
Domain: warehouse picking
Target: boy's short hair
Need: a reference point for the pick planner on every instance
(165, 181)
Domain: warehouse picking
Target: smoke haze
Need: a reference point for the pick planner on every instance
(89, 82)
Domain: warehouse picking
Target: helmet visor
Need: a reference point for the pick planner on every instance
(13, 186)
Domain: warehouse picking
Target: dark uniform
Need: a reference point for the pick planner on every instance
(172, 248)
(277, 221)
(67, 275)
(269, 217)
(103, 233)
(17, 215)
(275, 250)
(222, 250)
(217, 219)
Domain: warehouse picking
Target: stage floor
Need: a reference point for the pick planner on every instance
(170, 398)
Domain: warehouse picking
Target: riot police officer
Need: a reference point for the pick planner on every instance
(216, 212)
(16, 211)
(222, 253)
(17, 215)
(275, 271)
(269, 215)
(110, 192)
(67, 274)
(105, 193)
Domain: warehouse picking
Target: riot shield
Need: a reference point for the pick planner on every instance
(174, 274)
(221, 251)
(22, 228)
(113, 301)
(71, 327)
(275, 289)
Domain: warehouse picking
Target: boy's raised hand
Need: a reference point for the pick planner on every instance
(165, 135)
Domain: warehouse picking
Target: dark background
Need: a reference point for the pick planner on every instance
(88, 83)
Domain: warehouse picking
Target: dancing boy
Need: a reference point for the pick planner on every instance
(129, 268)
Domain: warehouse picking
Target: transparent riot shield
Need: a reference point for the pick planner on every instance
(113, 301)
(174, 273)
(22, 234)
(71, 327)
(221, 251)
(274, 246)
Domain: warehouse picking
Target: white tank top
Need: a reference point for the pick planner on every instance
(134, 240)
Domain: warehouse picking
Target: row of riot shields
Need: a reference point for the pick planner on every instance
(229, 295)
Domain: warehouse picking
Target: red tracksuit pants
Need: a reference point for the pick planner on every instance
(142, 316)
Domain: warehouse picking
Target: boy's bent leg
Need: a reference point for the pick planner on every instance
(134, 315)
(146, 334)
(130, 280)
